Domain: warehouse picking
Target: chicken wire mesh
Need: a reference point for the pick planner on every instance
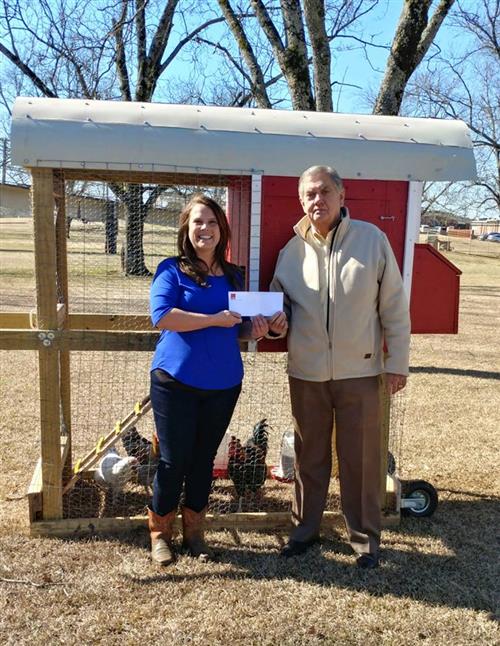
(253, 469)
(109, 268)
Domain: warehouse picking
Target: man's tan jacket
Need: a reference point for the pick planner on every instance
(367, 304)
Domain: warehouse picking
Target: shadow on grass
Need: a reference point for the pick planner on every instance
(483, 290)
(460, 372)
(448, 560)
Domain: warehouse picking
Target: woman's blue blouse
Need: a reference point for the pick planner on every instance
(209, 358)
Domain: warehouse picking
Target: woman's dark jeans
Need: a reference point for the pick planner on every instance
(190, 424)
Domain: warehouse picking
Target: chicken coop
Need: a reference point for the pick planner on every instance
(108, 180)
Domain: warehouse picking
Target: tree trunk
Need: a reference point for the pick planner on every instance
(414, 35)
(314, 12)
(294, 63)
(133, 261)
(111, 227)
(257, 77)
(291, 55)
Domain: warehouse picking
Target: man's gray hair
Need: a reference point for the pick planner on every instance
(328, 170)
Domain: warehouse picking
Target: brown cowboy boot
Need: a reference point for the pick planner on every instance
(193, 523)
(161, 530)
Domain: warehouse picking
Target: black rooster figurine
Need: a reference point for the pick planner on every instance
(247, 463)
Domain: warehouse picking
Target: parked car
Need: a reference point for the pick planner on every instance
(483, 236)
(493, 237)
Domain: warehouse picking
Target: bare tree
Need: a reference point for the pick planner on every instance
(89, 48)
(301, 35)
(255, 76)
(299, 40)
(123, 49)
(466, 85)
(11, 174)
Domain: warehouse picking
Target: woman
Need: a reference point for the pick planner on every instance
(196, 372)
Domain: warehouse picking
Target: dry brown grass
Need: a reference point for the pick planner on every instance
(470, 246)
(438, 583)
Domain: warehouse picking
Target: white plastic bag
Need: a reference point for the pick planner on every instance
(222, 456)
(287, 455)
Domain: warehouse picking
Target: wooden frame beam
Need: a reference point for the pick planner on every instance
(149, 177)
(15, 320)
(35, 496)
(276, 521)
(79, 321)
(70, 340)
(121, 322)
(35, 505)
(62, 315)
(42, 192)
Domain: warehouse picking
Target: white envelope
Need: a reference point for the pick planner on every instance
(253, 303)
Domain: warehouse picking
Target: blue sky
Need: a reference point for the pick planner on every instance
(349, 66)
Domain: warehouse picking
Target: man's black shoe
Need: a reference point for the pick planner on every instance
(367, 561)
(296, 548)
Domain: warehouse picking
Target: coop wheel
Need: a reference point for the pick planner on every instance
(391, 464)
(419, 498)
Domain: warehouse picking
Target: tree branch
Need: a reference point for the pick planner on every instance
(186, 40)
(488, 36)
(36, 80)
(121, 58)
(228, 54)
(140, 28)
(268, 27)
(146, 83)
(429, 33)
(153, 196)
(257, 78)
(413, 38)
(356, 13)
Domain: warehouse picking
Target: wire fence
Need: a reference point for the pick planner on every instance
(106, 384)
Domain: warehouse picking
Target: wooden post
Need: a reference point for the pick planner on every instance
(62, 284)
(274, 521)
(42, 191)
(238, 213)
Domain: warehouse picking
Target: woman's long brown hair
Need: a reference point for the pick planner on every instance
(189, 263)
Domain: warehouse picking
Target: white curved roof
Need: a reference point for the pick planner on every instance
(116, 135)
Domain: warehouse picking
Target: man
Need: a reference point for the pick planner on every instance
(344, 297)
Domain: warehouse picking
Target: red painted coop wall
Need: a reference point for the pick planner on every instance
(380, 202)
(435, 291)
(435, 284)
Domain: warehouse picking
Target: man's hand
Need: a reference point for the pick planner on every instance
(394, 383)
(278, 323)
(260, 326)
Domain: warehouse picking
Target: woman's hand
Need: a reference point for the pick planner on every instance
(226, 318)
(278, 323)
(260, 327)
